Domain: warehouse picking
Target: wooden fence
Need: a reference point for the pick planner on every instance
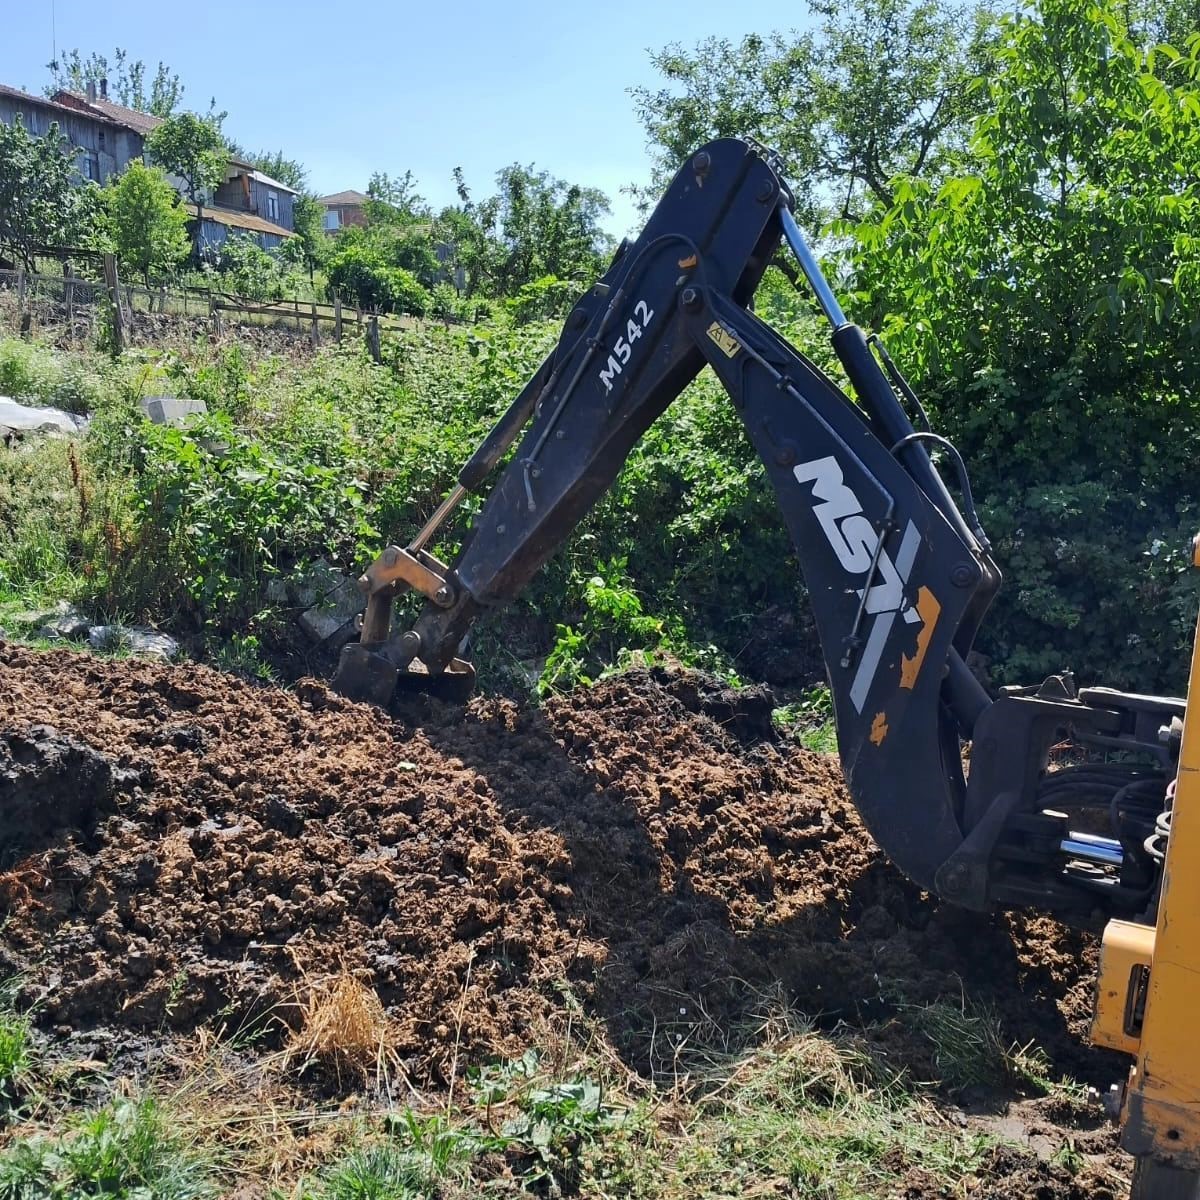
(55, 300)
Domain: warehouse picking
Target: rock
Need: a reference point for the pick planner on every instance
(147, 642)
(70, 623)
(277, 592)
(20, 419)
(326, 626)
(172, 410)
(335, 602)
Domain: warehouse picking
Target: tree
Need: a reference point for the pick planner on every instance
(310, 245)
(880, 87)
(1045, 298)
(250, 271)
(288, 171)
(126, 80)
(534, 226)
(395, 199)
(41, 203)
(144, 220)
(192, 148)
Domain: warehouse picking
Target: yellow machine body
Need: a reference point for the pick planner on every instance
(1148, 993)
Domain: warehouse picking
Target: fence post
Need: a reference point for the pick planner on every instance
(337, 318)
(114, 290)
(22, 318)
(315, 335)
(69, 288)
(373, 337)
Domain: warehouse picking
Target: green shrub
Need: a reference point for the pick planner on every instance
(40, 520)
(364, 278)
(244, 268)
(543, 298)
(1044, 298)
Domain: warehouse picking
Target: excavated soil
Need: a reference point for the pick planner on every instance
(645, 849)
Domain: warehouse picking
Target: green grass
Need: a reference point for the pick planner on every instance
(15, 1052)
(128, 1150)
(809, 720)
(971, 1050)
(786, 1109)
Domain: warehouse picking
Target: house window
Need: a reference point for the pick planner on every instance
(273, 206)
(332, 219)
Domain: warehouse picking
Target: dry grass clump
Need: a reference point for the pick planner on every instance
(343, 1027)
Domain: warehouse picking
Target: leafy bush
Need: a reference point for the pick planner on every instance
(542, 299)
(1045, 297)
(244, 268)
(34, 374)
(363, 277)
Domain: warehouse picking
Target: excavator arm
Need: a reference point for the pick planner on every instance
(899, 575)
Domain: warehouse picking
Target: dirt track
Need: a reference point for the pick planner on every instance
(647, 846)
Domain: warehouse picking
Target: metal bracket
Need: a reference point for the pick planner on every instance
(416, 569)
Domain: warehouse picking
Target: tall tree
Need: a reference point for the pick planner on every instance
(191, 148)
(310, 241)
(41, 203)
(126, 80)
(395, 198)
(535, 225)
(144, 220)
(879, 87)
(288, 171)
(1045, 297)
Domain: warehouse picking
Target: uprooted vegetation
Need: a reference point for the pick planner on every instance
(561, 950)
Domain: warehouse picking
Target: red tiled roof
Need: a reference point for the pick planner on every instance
(346, 199)
(45, 102)
(139, 122)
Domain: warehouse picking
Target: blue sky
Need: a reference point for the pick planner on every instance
(353, 87)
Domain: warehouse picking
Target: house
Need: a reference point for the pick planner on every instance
(105, 146)
(344, 208)
(109, 136)
(249, 202)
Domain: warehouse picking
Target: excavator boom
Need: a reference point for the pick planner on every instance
(899, 575)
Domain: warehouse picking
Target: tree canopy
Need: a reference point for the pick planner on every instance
(41, 201)
(144, 221)
(126, 80)
(877, 88)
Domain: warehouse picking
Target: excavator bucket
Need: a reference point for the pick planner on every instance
(367, 674)
(374, 668)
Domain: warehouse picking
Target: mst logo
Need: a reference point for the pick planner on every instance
(854, 541)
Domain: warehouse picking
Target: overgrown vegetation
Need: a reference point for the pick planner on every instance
(1030, 257)
(823, 1114)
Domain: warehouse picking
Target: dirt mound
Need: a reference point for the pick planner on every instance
(645, 847)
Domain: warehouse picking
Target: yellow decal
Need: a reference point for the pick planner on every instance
(689, 262)
(724, 339)
(928, 609)
(879, 728)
